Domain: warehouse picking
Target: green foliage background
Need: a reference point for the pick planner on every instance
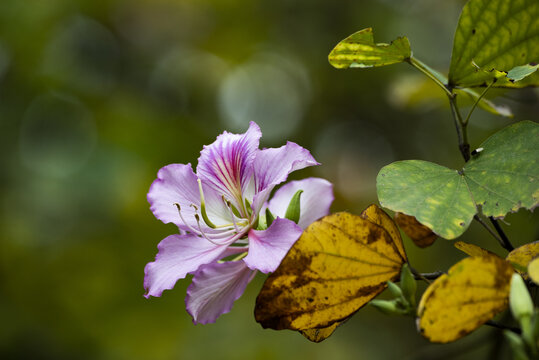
(96, 96)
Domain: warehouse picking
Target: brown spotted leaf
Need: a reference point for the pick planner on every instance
(339, 264)
(421, 235)
(533, 270)
(378, 216)
(522, 256)
(321, 334)
(473, 292)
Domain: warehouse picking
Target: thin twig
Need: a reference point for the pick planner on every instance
(428, 276)
(465, 122)
(503, 327)
(462, 133)
(494, 233)
(429, 73)
(507, 244)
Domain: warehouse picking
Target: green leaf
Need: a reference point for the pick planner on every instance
(495, 34)
(520, 72)
(359, 51)
(502, 178)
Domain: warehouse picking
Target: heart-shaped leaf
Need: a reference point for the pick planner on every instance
(502, 178)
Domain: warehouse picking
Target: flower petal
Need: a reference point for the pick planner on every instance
(315, 200)
(175, 183)
(214, 289)
(178, 255)
(272, 166)
(226, 164)
(268, 247)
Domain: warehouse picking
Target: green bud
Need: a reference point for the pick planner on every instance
(293, 210)
(519, 299)
(408, 285)
(390, 307)
(517, 345)
(269, 217)
(394, 289)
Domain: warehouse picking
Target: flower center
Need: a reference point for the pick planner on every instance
(224, 234)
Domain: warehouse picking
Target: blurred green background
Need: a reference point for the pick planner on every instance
(96, 96)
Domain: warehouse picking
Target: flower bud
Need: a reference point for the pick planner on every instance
(519, 299)
(408, 285)
(294, 208)
(390, 307)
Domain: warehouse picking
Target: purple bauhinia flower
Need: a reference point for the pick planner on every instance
(221, 213)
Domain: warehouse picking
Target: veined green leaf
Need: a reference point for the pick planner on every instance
(359, 50)
(495, 34)
(502, 178)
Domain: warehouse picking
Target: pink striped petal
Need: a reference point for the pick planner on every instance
(226, 164)
(315, 200)
(214, 289)
(268, 247)
(272, 166)
(178, 256)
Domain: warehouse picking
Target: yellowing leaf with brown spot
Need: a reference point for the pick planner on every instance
(318, 335)
(473, 292)
(378, 216)
(521, 257)
(339, 263)
(533, 270)
(421, 235)
(473, 250)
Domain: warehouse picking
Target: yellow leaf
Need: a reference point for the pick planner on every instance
(318, 335)
(339, 264)
(521, 257)
(473, 292)
(421, 235)
(533, 270)
(473, 250)
(378, 216)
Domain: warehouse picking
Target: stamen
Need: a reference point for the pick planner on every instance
(204, 235)
(185, 222)
(220, 235)
(240, 256)
(203, 206)
(231, 206)
(228, 205)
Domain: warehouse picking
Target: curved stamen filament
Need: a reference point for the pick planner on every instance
(185, 222)
(229, 207)
(204, 235)
(203, 206)
(220, 235)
